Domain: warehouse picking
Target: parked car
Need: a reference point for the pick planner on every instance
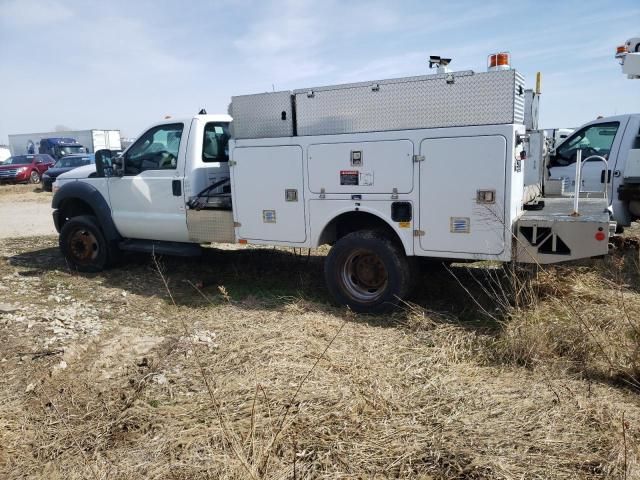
(25, 168)
(64, 165)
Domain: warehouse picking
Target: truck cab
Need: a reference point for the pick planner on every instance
(168, 164)
(617, 139)
(60, 147)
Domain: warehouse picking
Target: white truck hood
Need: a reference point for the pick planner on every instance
(80, 172)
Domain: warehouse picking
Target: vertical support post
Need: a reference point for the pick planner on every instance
(576, 188)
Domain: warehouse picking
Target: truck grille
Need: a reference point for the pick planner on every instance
(8, 173)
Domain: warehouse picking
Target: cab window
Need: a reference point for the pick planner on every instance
(156, 149)
(215, 147)
(592, 140)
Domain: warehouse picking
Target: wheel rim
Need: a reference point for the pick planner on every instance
(364, 276)
(84, 246)
(35, 178)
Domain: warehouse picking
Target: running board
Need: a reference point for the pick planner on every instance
(553, 234)
(159, 247)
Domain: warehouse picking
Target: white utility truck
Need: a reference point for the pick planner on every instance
(384, 171)
(617, 139)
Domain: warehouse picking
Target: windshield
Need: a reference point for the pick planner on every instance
(592, 140)
(69, 150)
(19, 160)
(72, 162)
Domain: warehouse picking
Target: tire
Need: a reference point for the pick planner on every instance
(34, 177)
(367, 272)
(83, 245)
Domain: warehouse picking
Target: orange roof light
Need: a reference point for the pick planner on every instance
(621, 50)
(499, 61)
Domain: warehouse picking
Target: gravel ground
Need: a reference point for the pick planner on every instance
(25, 211)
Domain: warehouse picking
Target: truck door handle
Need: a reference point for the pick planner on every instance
(176, 187)
(608, 176)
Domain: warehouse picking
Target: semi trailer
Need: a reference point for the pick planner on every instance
(59, 144)
(384, 171)
(5, 152)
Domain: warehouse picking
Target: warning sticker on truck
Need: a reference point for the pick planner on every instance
(349, 177)
(366, 179)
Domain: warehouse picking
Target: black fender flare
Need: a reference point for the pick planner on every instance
(91, 196)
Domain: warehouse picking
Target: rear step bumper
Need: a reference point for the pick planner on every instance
(552, 234)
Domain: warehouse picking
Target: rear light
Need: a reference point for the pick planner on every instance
(499, 61)
(600, 236)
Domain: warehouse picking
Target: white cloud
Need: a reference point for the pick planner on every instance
(33, 13)
(280, 32)
(126, 46)
(288, 40)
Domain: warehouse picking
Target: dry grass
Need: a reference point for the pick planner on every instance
(585, 317)
(299, 389)
(24, 193)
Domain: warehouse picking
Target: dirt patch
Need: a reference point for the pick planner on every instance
(25, 211)
(255, 374)
(125, 347)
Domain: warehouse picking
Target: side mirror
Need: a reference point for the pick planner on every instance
(103, 162)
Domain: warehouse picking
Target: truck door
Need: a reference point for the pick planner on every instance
(148, 201)
(268, 200)
(601, 139)
(452, 175)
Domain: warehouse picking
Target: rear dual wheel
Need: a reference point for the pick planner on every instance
(368, 272)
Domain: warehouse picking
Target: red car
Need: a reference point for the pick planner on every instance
(25, 168)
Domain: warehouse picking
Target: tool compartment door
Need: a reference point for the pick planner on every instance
(452, 174)
(268, 199)
(361, 167)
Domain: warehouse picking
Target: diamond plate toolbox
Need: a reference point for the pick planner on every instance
(262, 115)
(431, 101)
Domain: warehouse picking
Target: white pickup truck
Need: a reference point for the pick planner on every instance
(384, 171)
(618, 140)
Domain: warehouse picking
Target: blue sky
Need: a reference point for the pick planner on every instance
(126, 64)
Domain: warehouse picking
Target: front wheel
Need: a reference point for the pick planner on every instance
(34, 177)
(367, 272)
(83, 244)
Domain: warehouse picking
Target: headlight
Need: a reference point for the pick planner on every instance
(22, 169)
